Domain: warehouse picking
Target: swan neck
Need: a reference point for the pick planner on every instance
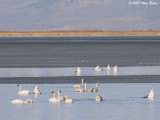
(82, 82)
(54, 95)
(19, 87)
(85, 87)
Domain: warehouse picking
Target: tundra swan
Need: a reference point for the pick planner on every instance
(108, 68)
(99, 98)
(150, 96)
(97, 68)
(22, 91)
(21, 101)
(94, 90)
(116, 69)
(54, 99)
(36, 90)
(79, 86)
(68, 100)
(78, 70)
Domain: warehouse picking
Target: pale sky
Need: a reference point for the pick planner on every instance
(108, 15)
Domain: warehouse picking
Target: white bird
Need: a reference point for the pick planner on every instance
(68, 100)
(79, 86)
(150, 96)
(97, 68)
(116, 69)
(19, 101)
(108, 68)
(21, 92)
(54, 99)
(94, 89)
(78, 70)
(36, 90)
(99, 98)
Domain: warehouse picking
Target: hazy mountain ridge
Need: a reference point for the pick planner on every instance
(77, 15)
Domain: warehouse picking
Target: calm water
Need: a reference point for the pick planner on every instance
(121, 101)
(70, 71)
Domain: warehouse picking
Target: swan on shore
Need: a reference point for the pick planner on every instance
(54, 99)
(68, 100)
(79, 86)
(94, 89)
(36, 90)
(116, 69)
(151, 95)
(21, 92)
(99, 98)
(97, 68)
(19, 101)
(108, 68)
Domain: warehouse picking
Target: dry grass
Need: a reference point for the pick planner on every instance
(76, 33)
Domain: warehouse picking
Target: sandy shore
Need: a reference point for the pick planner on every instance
(76, 33)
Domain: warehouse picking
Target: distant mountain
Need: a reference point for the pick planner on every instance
(106, 15)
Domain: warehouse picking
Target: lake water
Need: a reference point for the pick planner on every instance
(70, 71)
(121, 101)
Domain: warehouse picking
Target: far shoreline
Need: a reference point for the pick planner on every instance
(77, 33)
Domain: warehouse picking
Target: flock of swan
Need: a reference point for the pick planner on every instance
(98, 68)
(78, 88)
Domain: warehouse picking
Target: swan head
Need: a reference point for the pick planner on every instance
(19, 85)
(53, 92)
(65, 97)
(59, 91)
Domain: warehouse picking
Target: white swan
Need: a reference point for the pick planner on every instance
(54, 99)
(97, 68)
(99, 98)
(150, 96)
(19, 101)
(36, 90)
(79, 86)
(94, 89)
(116, 69)
(68, 100)
(78, 70)
(22, 91)
(108, 68)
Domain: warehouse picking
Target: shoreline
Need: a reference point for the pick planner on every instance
(76, 33)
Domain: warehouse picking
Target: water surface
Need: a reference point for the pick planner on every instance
(121, 101)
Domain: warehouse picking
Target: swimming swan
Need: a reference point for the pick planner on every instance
(19, 101)
(116, 69)
(78, 70)
(150, 96)
(68, 100)
(99, 98)
(22, 91)
(54, 99)
(79, 86)
(97, 68)
(36, 90)
(94, 89)
(108, 68)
